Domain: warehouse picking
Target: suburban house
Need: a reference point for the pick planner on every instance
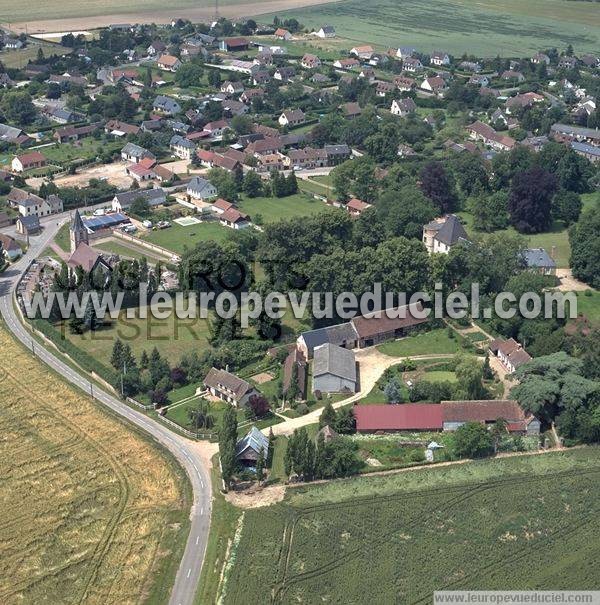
(181, 147)
(441, 234)
(27, 161)
(510, 353)
(383, 88)
(334, 369)
(232, 88)
(436, 85)
(439, 58)
(33, 205)
(403, 107)
(346, 63)
(249, 448)
(310, 61)
(154, 197)
(158, 46)
(168, 63)
(284, 74)
(233, 44)
(362, 52)
(511, 74)
(539, 261)
(134, 153)
(479, 131)
(234, 219)
(166, 105)
(201, 189)
(404, 83)
(540, 58)
(351, 111)
(404, 52)
(412, 64)
(292, 117)
(444, 416)
(229, 387)
(327, 31)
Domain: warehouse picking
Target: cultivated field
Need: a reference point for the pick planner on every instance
(486, 28)
(92, 512)
(520, 523)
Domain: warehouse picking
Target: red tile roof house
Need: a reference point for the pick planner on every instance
(234, 219)
(27, 161)
(444, 416)
(282, 34)
(310, 61)
(356, 207)
(169, 63)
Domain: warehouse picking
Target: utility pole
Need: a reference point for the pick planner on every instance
(92, 390)
(32, 346)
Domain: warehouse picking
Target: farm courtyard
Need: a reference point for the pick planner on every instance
(93, 512)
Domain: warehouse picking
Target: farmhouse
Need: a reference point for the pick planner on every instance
(346, 63)
(334, 369)
(327, 31)
(436, 85)
(485, 133)
(362, 52)
(282, 34)
(249, 448)
(229, 387)
(342, 335)
(27, 161)
(444, 416)
(510, 353)
(73, 133)
(441, 234)
(168, 63)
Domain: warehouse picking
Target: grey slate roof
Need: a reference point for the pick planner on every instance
(332, 334)
(9, 133)
(254, 440)
(30, 223)
(538, 257)
(152, 196)
(167, 104)
(331, 359)
(585, 148)
(452, 231)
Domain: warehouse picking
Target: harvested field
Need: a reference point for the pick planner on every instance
(93, 512)
(55, 15)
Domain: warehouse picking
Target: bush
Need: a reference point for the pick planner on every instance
(302, 409)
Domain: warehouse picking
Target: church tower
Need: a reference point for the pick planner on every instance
(78, 233)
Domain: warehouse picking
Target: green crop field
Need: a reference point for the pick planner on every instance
(486, 28)
(520, 523)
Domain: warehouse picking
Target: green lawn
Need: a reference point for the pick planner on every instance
(589, 306)
(171, 336)
(558, 238)
(86, 148)
(62, 238)
(178, 238)
(424, 343)
(488, 28)
(439, 376)
(113, 247)
(20, 58)
(273, 209)
(311, 187)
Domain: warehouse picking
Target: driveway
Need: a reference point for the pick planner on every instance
(372, 363)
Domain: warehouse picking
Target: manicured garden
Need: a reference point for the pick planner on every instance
(423, 343)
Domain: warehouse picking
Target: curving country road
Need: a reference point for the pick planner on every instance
(188, 574)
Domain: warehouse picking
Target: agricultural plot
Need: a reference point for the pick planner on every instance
(509, 28)
(93, 512)
(519, 523)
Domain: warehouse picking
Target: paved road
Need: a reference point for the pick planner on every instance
(191, 564)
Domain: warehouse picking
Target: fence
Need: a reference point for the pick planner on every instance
(144, 244)
(138, 404)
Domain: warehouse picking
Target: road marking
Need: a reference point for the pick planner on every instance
(189, 572)
(197, 540)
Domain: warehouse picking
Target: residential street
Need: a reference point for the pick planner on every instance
(186, 452)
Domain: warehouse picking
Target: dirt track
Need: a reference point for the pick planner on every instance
(161, 16)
